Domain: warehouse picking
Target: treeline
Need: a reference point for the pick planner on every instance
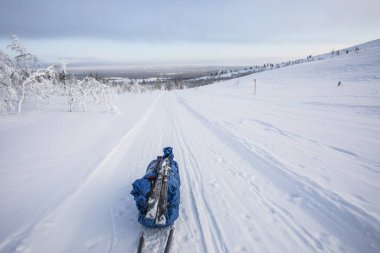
(185, 80)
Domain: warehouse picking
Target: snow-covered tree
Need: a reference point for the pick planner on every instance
(89, 89)
(40, 83)
(19, 79)
(8, 92)
(24, 61)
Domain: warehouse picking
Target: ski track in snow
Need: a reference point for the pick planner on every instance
(238, 193)
(312, 196)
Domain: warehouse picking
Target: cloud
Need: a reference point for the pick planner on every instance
(209, 21)
(187, 30)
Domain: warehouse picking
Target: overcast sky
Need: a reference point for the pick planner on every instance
(195, 32)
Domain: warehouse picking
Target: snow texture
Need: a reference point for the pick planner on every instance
(295, 168)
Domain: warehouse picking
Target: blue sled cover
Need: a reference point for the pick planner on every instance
(142, 188)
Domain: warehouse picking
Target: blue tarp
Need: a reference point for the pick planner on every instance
(142, 188)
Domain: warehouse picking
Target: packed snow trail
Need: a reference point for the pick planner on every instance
(231, 197)
(293, 169)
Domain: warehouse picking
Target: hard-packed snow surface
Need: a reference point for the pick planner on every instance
(295, 168)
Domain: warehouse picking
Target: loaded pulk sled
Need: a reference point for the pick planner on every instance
(157, 195)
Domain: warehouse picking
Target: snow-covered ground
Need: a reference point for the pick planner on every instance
(295, 168)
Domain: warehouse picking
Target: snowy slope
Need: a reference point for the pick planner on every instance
(293, 169)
